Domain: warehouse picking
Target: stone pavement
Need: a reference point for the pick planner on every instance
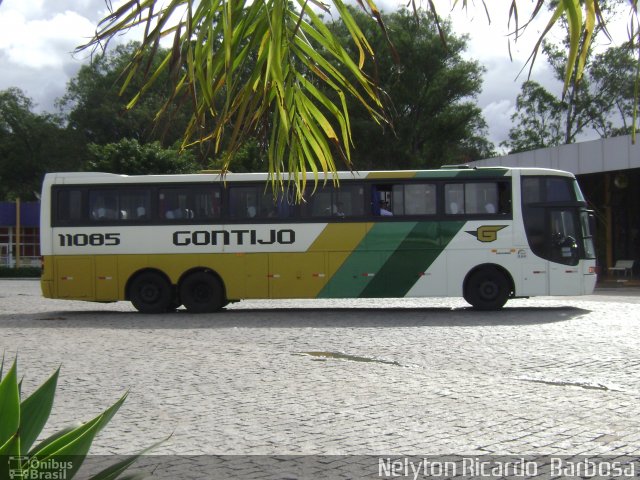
(417, 377)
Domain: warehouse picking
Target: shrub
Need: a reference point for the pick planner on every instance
(58, 456)
(22, 272)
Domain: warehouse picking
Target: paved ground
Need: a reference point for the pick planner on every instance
(424, 377)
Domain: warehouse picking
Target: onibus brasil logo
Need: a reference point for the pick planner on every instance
(23, 468)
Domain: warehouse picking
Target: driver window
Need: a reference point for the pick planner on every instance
(564, 248)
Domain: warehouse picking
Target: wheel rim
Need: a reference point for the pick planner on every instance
(202, 292)
(150, 293)
(488, 290)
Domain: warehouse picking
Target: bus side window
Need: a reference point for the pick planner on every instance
(490, 207)
(346, 201)
(103, 205)
(419, 199)
(175, 204)
(404, 199)
(206, 203)
(134, 204)
(531, 190)
(141, 213)
(454, 199)
(350, 200)
(244, 202)
(321, 204)
(504, 198)
(382, 200)
(481, 198)
(68, 207)
(477, 198)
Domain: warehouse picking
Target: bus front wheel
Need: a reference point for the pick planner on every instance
(150, 292)
(202, 292)
(487, 289)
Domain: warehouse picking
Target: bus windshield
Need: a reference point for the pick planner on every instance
(556, 220)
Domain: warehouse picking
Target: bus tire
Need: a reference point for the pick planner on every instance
(487, 289)
(202, 292)
(150, 292)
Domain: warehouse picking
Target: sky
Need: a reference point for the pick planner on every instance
(38, 37)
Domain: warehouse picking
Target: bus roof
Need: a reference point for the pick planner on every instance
(445, 172)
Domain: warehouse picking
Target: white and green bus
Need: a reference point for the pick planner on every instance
(204, 240)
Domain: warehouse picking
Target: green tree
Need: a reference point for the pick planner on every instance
(249, 158)
(612, 74)
(602, 102)
(129, 157)
(538, 119)
(30, 145)
(429, 96)
(587, 103)
(96, 108)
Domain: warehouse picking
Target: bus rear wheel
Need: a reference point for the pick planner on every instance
(150, 292)
(487, 289)
(202, 292)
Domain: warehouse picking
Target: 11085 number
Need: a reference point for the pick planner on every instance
(88, 239)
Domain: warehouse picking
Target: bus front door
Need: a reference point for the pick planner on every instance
(564, 271)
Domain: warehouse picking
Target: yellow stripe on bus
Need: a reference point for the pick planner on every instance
(391, 174)
(334, 245)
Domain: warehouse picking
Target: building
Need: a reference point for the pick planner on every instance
(28, 239)
(608, 171)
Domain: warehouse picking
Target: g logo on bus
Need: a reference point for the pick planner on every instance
(487, 233)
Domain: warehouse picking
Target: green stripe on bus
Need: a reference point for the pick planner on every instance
(367, 258)
(413, 256)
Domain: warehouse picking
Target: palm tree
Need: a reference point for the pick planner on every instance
(251, 69)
